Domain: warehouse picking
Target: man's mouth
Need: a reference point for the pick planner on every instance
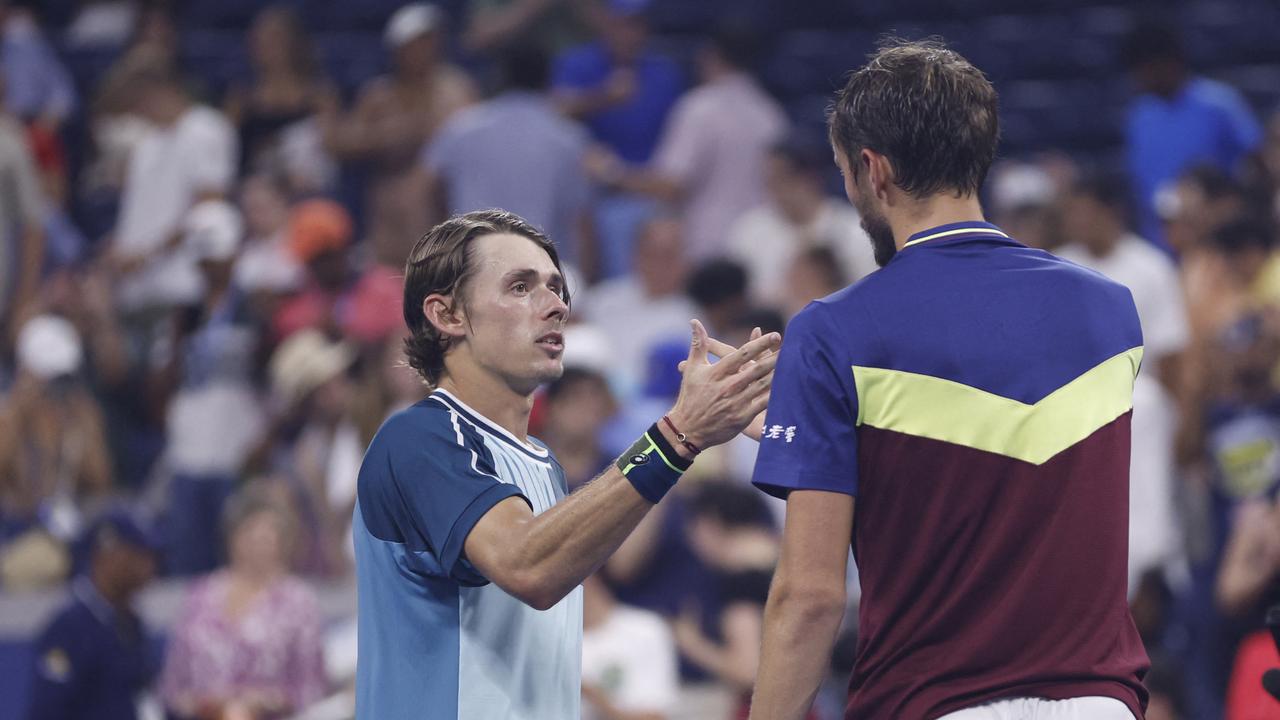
(553, 342)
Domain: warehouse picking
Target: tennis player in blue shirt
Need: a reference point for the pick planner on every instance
(469, 554)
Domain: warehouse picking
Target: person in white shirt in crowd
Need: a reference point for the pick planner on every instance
(189, 155)
(649, 306)
(265, 264)
(798, 215)
(1095, 218)
(710, 162)
(207, 380)
(628, 659)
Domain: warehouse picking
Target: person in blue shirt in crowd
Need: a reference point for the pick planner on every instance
(618, 85)
(94, 660)
(1179, 120)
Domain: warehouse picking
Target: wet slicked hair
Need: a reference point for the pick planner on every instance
(442, 262)
(926, 109)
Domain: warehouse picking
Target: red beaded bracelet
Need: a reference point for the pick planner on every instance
(681, 437)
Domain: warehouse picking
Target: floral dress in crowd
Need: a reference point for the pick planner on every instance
(275, 649)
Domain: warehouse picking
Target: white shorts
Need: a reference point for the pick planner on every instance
(1081, 708)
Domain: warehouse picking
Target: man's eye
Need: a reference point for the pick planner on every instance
(520, 287)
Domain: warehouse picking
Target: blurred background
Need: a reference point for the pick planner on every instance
(205, 208)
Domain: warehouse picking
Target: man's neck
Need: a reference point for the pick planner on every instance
(916, 216)
(495, 400)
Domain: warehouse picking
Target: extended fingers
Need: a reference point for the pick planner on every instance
(752, 350)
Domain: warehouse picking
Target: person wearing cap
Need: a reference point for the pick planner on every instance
(314, 395)
(54, 457)
(396, 114)
(208, 381)
(318, 238)
(94, 660)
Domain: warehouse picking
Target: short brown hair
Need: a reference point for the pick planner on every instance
(926, 109)
(441, 262)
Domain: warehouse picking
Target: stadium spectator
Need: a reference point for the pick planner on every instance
(37, 86)
(628, 659)
(646, 307)
(812, 274)
(188, 156)
(319, 239)
(265, 266)
(496, 24)
(797, 216)
(207, 382)
(54, 459)
(318, 457)
(1179, 120)
(732, 532)
(247, 642)
(710, 162)
(619, 85)
(95, 658)
(286, 90)
(1231, 436)
(22, 211)
(578, 405)
(518, 153)
(396, 115)
(1024, 201)
(719, 289)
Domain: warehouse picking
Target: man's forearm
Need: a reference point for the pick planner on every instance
(569, 542)
(799, 635)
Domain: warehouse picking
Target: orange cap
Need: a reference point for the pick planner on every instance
(318, 226)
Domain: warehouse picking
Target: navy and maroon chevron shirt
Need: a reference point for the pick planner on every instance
(974, 395)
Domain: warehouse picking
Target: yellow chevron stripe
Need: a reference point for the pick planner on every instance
(952, 412)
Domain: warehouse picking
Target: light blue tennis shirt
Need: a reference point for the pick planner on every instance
(437, 640)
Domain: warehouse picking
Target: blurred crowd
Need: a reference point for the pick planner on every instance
(201, 329)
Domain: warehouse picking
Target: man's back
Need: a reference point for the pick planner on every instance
(982, 391)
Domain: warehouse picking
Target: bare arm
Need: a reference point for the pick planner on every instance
(497, 25)
(539, 559)
(737, 660)
(806, 604)
(1251, 561)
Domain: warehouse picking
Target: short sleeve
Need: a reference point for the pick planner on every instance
(447, 481)
(810, 440)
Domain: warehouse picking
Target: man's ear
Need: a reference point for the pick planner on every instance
(445, 315)
(879, 172)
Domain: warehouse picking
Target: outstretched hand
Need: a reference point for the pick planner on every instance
(717, 401)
